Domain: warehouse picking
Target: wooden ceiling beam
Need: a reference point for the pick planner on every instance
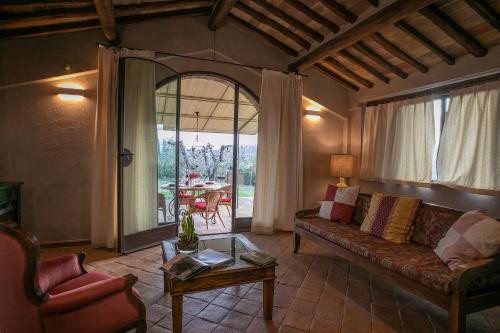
(452, 29)
(352, 58)
(374, 3)
(405, 27)
(306, 10)
(289, 19)
(68, 15)
(11, 7)
(331, 75)
(51, 19)
(369, 53)
(381, 19)
(340, 10)
(221, 10)
(272, 24)
(486, 12)
(398, 53)
(339, 67)
(105, 11)
(271, 39)
(146, 8)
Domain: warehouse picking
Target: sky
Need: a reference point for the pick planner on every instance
(215, 139)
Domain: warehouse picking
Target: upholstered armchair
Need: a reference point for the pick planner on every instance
(58, 295)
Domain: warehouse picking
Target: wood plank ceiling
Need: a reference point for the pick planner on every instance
(358, 43)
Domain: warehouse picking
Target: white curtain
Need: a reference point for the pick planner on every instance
(469, 152)
(398, 141)
(104, 161)
(278, 190)
(140, 177)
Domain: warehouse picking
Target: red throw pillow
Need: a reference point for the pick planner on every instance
(344, 200)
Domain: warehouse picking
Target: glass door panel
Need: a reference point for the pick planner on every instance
(206, 150)
(144, 207)
(247, 159)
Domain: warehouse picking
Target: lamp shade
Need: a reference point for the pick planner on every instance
(341, 165)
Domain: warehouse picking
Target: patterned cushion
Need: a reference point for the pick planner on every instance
(361, 208)
(414, 261)
(432, 223)
(474, 236)
(391, 218)
(339, 203)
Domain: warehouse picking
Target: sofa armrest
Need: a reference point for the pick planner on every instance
(463, 275)
(54, 271)
(83, 296)
(307, 213)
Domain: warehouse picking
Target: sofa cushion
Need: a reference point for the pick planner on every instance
(432, 223)
(391, 217)
(414, 261)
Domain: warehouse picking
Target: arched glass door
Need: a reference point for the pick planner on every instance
(183, 138)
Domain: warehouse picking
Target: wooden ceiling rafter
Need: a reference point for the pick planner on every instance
(296, 24)
(374, 3)
(453, 30)
(340, 10)
(270, 38)
(422, 39)
(301, 7)
(370, 69)
(333, 76)
(221, 10)
(261, 18)
(398, 53)
(365, 50)
(381, 19)
(343, 70)
(486, 12)
(106, 14)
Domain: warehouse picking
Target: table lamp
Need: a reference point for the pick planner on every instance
(341, 166)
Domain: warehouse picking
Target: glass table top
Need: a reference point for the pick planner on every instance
(233, 245)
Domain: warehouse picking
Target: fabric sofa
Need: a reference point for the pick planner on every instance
(415, 266)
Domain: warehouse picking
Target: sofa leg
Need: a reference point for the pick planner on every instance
(296, 242)
(457, 318)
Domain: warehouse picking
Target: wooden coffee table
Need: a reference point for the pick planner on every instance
(240, 272)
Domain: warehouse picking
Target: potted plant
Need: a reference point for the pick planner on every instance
(188, 239)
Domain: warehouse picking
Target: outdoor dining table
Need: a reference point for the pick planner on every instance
(195, 190)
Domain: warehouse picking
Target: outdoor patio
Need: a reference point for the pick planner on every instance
(244, 209)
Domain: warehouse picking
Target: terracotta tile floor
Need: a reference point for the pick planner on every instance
(315, 292)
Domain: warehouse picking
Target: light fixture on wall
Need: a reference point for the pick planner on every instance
(341, 166)
(70, 92)
(313, 113)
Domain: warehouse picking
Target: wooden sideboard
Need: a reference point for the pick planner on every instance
(10, 201)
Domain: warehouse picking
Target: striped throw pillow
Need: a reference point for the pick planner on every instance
(391, 218)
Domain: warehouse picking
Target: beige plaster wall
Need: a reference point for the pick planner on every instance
(47, 143)
(466, 67)
(321, 138)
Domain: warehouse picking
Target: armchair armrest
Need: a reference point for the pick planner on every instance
(80, 297)
(57, 270)
(307, 213)
(464, 274)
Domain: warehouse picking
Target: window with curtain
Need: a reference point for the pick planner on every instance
(398, 141)
(452, 139)
(469, 150)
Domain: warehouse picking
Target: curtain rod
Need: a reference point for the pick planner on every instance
(437, 90)
(203, 59)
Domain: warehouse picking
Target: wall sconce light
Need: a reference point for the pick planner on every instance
(70, 92)
(313, 114)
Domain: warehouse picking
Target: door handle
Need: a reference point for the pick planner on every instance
(126, 157)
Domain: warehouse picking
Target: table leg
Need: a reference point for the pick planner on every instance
(177, 314)
(268, 295)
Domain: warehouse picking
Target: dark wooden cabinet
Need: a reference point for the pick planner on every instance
(10, 201)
